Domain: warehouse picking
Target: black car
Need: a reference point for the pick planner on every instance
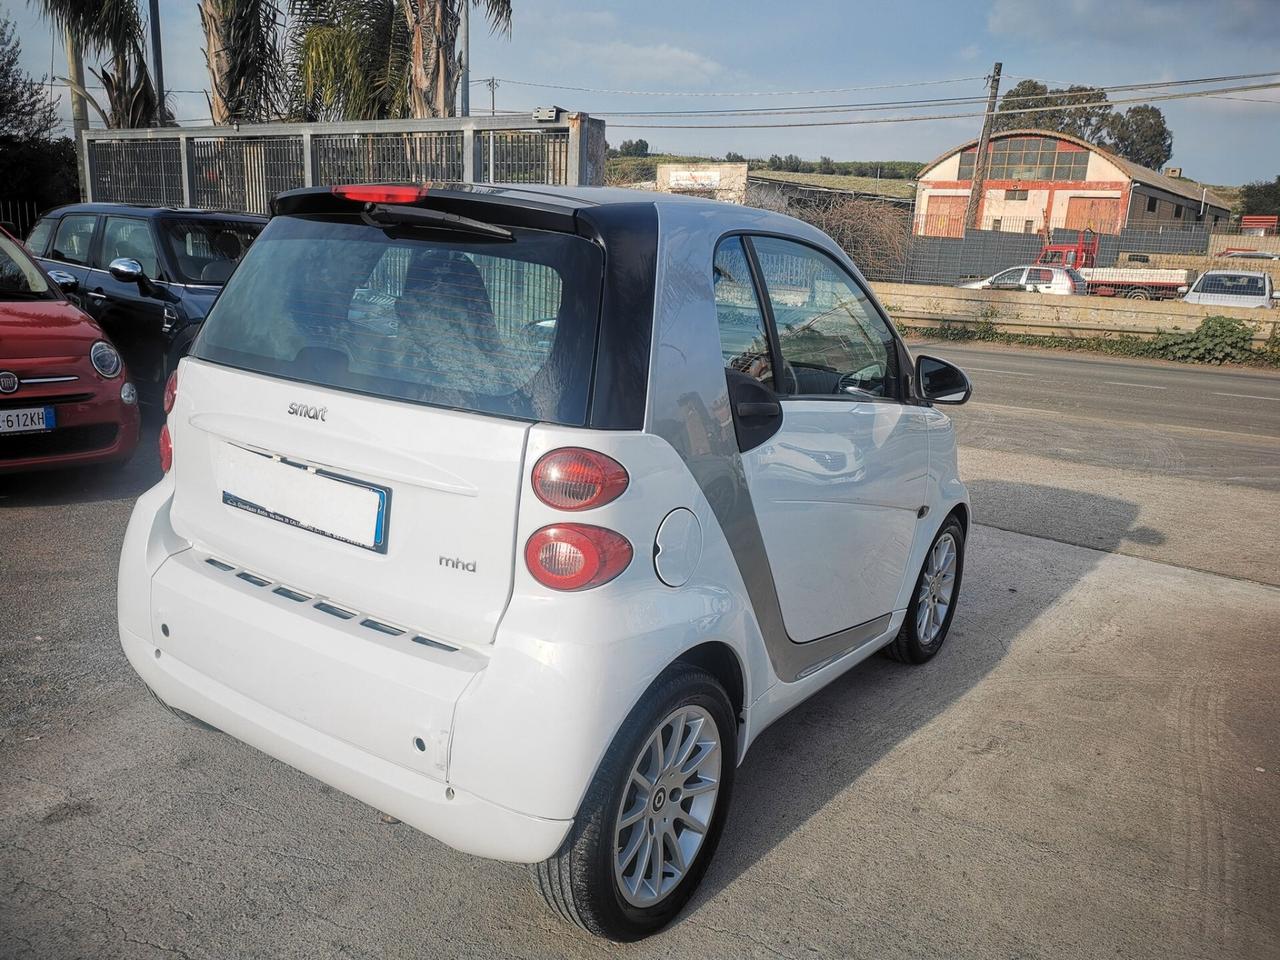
(148, 275)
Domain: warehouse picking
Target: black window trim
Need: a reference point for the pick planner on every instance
(903, 395)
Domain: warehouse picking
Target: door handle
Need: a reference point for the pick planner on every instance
(96, 295)
(764, 408)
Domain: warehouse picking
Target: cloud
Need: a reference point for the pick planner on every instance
(661, 64)
(968, 52)
(1123, 22)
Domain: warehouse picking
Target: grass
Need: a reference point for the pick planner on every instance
(904, 189)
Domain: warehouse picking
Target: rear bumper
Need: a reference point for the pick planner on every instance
(102, 429)
(453, 816)
(370, 715)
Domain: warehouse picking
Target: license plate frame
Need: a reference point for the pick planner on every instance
(379, 539)
(48, 420)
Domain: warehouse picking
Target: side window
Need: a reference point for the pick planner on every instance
(131, 238)
(1013, 276)
(833, 340)
(71, 243)
(1039, 276)
(742, 332)
(38, 238)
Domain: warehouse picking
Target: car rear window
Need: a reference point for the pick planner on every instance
(491, 326)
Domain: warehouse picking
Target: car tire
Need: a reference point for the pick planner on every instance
(181, 714)
(923, 634)
(591, 881)
(1138, 294)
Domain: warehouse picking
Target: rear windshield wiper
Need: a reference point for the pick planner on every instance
(397, 215)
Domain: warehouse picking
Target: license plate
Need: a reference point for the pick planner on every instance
(310, 498)
(30, 420)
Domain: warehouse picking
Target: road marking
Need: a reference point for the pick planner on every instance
(1007, 373)
(1123, 383)
(1247, 396)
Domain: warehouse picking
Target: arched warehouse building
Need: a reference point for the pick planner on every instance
(1037, 178)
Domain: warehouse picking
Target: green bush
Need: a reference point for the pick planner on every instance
(1215, 340)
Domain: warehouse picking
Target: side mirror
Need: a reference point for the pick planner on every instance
(1275, 295)
(1184, 289)
(127, 270)
(66, 282)
(1030, 287)
(941, 382)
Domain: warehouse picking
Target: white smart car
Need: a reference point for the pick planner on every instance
(518, 513)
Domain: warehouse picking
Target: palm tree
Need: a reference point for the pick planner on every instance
(110, 28)
(371, 59)
(243, 52)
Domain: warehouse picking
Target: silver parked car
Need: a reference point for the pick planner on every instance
(1033, 278)
(1233, 288)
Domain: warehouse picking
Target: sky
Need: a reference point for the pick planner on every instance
(664, 47)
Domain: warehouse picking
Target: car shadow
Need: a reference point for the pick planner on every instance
(90, 484)
(809, 757)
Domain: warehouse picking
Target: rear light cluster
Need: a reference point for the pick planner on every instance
(380, 192)
(577, 556)
(166, 441)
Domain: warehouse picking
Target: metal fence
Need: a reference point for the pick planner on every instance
(242, 169)
(17, 216)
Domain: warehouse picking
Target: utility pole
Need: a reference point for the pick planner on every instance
(157, 60)
(980, 161)
(492, 84)
(464, 36)
(79, 108)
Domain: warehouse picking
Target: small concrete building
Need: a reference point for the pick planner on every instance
(714, 181)
(1039, 180)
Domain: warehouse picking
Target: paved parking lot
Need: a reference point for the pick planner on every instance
(1088, 769)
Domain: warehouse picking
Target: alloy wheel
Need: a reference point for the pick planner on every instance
(667, 806)
(937, 584)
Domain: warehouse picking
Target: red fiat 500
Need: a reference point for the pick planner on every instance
(65, 396)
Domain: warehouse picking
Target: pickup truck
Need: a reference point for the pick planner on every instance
(1133, 281)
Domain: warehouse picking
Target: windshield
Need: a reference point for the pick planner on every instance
(500, 327)
(20, 279)
(206, 250)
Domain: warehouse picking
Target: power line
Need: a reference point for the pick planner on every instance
(945, 116)
(731, 93)
(879, 105)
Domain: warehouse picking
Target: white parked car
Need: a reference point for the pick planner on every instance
(1034, 278)
(1233, 288)
(610, 483)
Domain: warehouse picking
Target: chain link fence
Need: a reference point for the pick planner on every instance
(242, 169)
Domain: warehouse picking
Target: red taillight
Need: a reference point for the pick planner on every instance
(170, 391)
(166, 449)
(573, 478)
(575, 556)
(380, 192)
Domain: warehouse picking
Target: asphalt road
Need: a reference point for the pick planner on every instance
(1172, 462)
(1089, 768)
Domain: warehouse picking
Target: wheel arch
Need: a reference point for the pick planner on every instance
(721, 661)
(961, 512)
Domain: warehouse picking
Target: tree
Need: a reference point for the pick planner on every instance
(112, 29)
(34, 165)
(243, 54)
(825, 165)
(1261, 198)
(25, 112)
(732, 157)
(372, 59)
(1139, 134)
(634, 148)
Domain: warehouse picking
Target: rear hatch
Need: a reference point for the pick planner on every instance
(352, 421)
